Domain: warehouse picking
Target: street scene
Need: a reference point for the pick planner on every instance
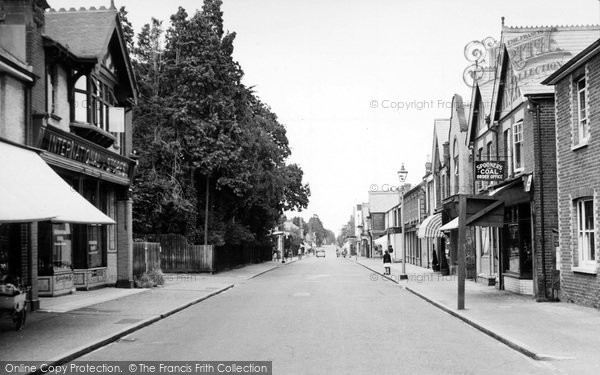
(299, 187)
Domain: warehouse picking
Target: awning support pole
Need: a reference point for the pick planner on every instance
(462, 221)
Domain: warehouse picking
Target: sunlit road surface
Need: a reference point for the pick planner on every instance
(323, 316)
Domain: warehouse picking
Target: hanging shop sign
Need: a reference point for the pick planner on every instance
(489, 170)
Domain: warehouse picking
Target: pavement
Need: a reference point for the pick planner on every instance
(565, 333)
(70, 326)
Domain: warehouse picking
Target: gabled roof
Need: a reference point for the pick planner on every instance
(536, 52)
(441, 129)
(87, 33)
(532, 53)
(458, 113)
(476, 99)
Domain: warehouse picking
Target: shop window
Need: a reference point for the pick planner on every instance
(518, 146)
(586, 243)
(517, 251)
(55, 248)
(582, 112)
(10, 253)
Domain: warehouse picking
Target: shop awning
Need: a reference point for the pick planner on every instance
(430, 227)
(31, 191)
(382, 241)
(452, 224)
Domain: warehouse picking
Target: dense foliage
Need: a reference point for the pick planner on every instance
(197, 130)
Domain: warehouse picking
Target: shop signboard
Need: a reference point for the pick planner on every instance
(489, 170)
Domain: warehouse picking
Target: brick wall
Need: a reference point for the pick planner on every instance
(544, 176)
(578, 175)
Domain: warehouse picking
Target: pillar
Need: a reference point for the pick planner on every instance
(124, 244)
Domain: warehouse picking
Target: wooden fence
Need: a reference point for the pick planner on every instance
(146, 257)
(178, 255)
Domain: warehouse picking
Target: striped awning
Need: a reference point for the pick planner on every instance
(430, 227)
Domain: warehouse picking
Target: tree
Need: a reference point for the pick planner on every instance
(197, 127)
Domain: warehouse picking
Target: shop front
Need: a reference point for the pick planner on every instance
(38, 222)
(81, 252)
(516, 245)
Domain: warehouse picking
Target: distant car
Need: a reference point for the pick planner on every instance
(320, 253)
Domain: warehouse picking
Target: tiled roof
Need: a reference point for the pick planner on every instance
(85, 32)
(441, 129)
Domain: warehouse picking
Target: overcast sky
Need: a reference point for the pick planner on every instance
(333, 69)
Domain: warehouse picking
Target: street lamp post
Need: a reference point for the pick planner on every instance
(402, 177)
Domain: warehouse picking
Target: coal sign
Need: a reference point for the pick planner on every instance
(489, 170)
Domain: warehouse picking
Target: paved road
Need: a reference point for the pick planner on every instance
(323, 316)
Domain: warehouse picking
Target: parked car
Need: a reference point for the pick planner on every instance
(320, 253)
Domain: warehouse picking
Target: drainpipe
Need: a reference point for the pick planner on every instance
(541, 174)
(493, 128)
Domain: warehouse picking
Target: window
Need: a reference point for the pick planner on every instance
(81, 102)
(585, 232)
(582, 115)
(51, 87)
(518, 146)
(508, 151)
(92, 100)
(489, 150)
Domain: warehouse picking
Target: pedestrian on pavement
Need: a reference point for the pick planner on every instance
(387, 262)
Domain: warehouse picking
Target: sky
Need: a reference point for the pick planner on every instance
(358, 84)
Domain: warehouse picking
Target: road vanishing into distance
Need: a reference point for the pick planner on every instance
(322, 316)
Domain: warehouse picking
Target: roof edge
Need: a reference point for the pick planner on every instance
(579, 59)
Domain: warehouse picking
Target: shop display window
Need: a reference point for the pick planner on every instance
(55, 248)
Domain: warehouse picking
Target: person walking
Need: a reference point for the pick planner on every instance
(387, 262)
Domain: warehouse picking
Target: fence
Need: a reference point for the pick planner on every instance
(146, 256)
(178, 255)
(230, 256)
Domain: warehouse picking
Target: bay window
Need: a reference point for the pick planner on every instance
(92, 100)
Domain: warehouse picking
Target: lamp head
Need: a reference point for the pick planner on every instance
(402, 173)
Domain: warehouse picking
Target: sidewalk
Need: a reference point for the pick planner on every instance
(69, 326)
(565, 333)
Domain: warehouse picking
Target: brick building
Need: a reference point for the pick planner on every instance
(66, 91)
(457, 178)
(577, 111)
(413, 214)
(514, 134)
(435, 180)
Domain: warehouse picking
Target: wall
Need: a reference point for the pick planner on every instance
(12, 109)
(544, 174)
(578, 175)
